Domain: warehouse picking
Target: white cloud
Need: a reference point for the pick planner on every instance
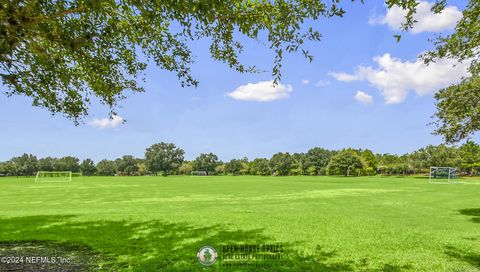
(322, 83)
(427, 21)
(395, 78)
(343, 76)
(363, 98)
(263, 91)
(305, 81)
(106, 122)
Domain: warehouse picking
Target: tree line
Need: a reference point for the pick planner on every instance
(168, 159)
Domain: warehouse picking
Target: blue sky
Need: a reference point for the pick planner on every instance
(364, 90)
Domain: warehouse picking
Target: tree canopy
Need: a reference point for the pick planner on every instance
(281, 163)
(206, 162)
(106, 168)
(88, 167)
(260, 166)
(345, 163)
(233, 167)
(164, 157)
(458, 110)
(127, 165)
(318, 159)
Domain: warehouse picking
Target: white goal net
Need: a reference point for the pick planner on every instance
(199, 173)
(49, 176)
(443, 175)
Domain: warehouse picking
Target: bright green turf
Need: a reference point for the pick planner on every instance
(327, 223)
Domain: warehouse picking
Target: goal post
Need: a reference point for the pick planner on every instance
(77, 174)
(443, 175)
(199, 173)
(53, 176)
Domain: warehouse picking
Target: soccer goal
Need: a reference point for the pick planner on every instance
(199, 173)
(77, 174)
(49, 176)
(443, 175)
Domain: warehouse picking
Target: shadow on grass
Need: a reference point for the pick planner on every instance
(463, 255)
(57, 256)
(148, 246)
(474, 213)
(417, 177)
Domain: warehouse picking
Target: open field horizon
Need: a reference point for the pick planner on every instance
(153, 223)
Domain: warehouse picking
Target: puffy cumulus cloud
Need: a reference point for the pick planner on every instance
(263, 91)
(363, 98)
(394, 78)
(305, 81)
(427, 21)
(106, 122)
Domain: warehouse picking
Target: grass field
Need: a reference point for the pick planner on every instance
(325, 223)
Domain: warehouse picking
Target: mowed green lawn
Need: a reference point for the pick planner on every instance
(325, 223)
